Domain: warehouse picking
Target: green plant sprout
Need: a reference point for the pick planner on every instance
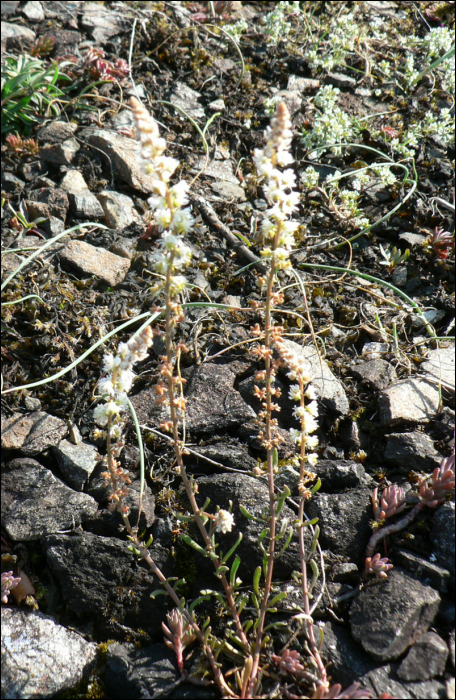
(29, 91)
(393, 257)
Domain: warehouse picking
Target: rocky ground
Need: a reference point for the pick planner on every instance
(82, 623)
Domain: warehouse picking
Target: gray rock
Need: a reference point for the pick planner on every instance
(60, 153)
(425, 660)
(9, 7)
(451, 645)
(220, 170)
(48, 201)
(32, 433)
(340, 80)
(389, 615)
(90, 260)
(378, 373)
(375, 350)
(11, 183)
(76, 462)
(14, 31)
(123, 155)
(399, 276)
(32, 404)
(101, 582)
(329, 389)
(124, 247)
(108, 523)
(132, 672)
(217, 105)
(40, 658)
(55, 506)
(296, 82)
(408, 451)
(73, 181)
(343, 520)
(232, 455)
(227, 190)
(33, 11)
(67, 41)
(84, 205)
(53, 226)
(430, 316)
(119, 211)
(101, 23)
(56, 132)
(213, 403)
(384, 680)
(413, 239)
(443, 539)
(412, 400)
(440, 364)
(348, 658)
(425, 571)
(187, 99)
(337, 475)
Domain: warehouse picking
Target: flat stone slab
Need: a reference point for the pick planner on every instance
(90, 260)
(389, 617)
(407, 451)
(379, 373)
(413, 400)
(76, 462)
(55, 507)
(124, 155)
(426, 659)
(41, 658)
(441, 365)
(32, 433)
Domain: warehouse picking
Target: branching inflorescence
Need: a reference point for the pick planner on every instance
(278, 240)
(173, 220)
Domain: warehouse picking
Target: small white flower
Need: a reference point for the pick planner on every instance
(106, 387)
(295, 436)
(312, 441)
(310, 424)
(178, 284)
(224, 522)
(100, 415)
(125, 380)
(112, 408)
(295, 392)
(310, 392)
(108, 362)
(299, 411)
(312, 408)
(312, 459)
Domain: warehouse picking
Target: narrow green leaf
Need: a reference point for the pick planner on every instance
(247, 625)
(197, 601)
(248, 515)
(277, 598)
(316, 534)
(234, 568)
(315, 488)
(256, 580)
(281, 500)
(233, 548)
(263, 534)
(188, 540)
